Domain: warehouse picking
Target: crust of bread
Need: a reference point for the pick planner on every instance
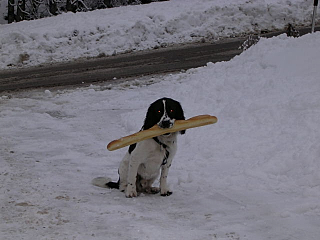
(179, 125)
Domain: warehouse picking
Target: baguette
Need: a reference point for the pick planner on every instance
(179, 125)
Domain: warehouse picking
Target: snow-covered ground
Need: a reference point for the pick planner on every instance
(131, 28)
(254, 175)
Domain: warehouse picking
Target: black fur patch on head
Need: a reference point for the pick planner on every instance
(156, 111)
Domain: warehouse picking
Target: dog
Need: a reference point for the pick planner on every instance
(144, 161)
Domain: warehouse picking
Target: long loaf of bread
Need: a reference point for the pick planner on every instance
(179, 125)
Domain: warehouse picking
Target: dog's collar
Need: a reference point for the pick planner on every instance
(160, 143)
(165, 159)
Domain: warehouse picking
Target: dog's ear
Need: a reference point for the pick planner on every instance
(149, 121)
(151, 116)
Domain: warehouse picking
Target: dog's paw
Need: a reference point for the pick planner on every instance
(131, 194)
(166, 193)
(152, 190)
(122, 187)
(131, 191)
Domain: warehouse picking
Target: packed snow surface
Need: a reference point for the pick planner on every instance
(253, 175)
(111, 31)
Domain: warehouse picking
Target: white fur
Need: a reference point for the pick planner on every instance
(146, 160)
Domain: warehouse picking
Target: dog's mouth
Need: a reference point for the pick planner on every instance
(166, 124)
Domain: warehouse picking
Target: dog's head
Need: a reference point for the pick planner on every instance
(164, 112)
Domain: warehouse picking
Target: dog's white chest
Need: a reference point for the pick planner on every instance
(150, 166)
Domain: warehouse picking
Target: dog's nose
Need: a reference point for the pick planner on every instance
(165, 124)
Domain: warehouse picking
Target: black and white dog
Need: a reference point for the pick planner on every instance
(141, 166)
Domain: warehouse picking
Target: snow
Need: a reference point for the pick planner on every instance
(252, 175)
(132, 28)
(255, 174)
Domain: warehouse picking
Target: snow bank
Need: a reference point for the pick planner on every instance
(252, 175)
(104, 32)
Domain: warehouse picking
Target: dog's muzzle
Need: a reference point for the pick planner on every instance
(166, 124)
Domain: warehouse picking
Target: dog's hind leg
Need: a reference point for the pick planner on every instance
(146, 185)
(152, 190)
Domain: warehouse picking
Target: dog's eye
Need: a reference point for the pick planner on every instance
(171, 111)
(159, 111)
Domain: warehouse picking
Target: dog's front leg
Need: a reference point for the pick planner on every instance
(131, 190)
(164, 189)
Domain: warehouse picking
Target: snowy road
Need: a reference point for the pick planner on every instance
(123, 66)
(165, 60)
